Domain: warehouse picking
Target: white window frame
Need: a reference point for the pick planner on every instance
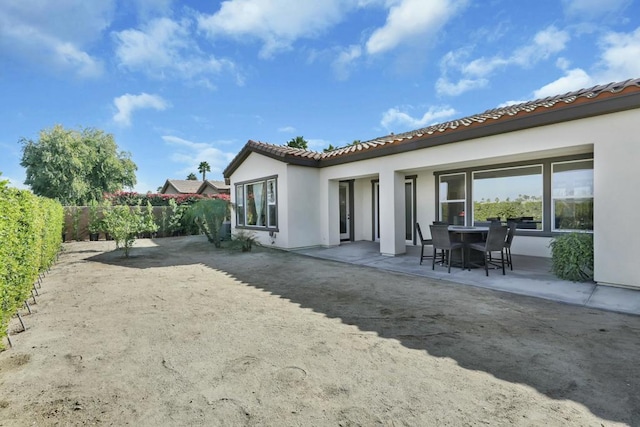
(463, 200)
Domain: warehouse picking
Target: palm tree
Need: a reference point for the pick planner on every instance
(203, 168)
(298, 142)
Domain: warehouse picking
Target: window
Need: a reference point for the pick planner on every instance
(272, 213)
(453, 193)
(509, 193)
(572, 195)
(256, 204)
(240, 205)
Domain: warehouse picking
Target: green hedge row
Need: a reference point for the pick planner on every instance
(30, 238)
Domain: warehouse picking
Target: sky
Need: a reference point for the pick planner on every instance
(181, 82)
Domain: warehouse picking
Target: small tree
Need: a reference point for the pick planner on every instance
(123, 223)
(192, 177)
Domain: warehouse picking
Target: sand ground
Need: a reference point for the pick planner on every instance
(184, 334)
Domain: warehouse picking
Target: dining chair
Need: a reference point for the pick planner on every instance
(508, 241)
(495, 242)
(442, 241)
(423, 242)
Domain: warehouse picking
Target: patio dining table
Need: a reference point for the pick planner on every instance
(467, 235)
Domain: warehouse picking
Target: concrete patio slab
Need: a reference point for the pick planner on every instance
(531, 276)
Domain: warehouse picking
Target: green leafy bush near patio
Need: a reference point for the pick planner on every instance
(31, 235)
(572, 257)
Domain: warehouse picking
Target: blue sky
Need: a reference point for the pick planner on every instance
(178, 83)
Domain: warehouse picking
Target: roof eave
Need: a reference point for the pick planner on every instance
(563, 114)
(253, 148)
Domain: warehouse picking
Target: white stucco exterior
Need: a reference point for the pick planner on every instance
(308, 204)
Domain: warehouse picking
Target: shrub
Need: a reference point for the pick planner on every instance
(572, 256)
(30, 232)
(243, 240)
(123, 223)
(208, 215)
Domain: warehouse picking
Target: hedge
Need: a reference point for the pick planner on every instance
(31, 235)
(133, 198)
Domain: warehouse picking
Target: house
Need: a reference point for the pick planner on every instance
(572, 158)
(181, 186)
(210, 188)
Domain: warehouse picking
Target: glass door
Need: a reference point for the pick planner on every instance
(409, 210)
(345, 211)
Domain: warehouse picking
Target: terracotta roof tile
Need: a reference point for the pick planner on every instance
(496, 115)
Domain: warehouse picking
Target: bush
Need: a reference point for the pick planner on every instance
(208, 215)
(31, 235)
(243, 240)
(572, 257)
(124, 223)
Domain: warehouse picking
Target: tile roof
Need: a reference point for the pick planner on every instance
(183, 186)
(537, 112)
(216, 185)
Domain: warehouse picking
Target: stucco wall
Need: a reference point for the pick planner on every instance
(616, 204)
(301, 213)
(313, 220)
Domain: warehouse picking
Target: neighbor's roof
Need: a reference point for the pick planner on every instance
(579, 104)
(220, 186)
(182, 186)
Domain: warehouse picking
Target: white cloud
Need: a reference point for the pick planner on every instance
(55, 34)
(343, 64)
(128, 103)
(618, 62)
(165, 48)
(411, 20)
(475, 73)
(276, 23)
(620, 59)
(394, 117)
(190, 154)
(446, 87)
(573, 80)
(317, 144)
(287, 129)
(590, 9)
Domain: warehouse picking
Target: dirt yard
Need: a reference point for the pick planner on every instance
(184, 334)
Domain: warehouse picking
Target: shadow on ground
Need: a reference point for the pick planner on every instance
(565, 352)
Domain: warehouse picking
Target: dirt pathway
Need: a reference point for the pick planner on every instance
(184, 334)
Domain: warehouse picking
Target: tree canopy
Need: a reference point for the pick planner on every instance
(298, 142)
(192, 177)
(76, 166)
(203, 168)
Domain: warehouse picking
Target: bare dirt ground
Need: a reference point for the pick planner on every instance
(184, 334)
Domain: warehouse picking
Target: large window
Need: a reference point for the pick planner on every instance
(453, 190)
(509, 193)
(257, 204)
(572, 195)
(545, 196)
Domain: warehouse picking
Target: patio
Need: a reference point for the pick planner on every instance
(531, 276)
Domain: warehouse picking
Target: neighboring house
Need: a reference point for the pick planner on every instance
(211, 188)
(181, 186)
(574, 156)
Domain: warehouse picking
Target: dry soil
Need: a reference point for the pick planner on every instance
(184, 334)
